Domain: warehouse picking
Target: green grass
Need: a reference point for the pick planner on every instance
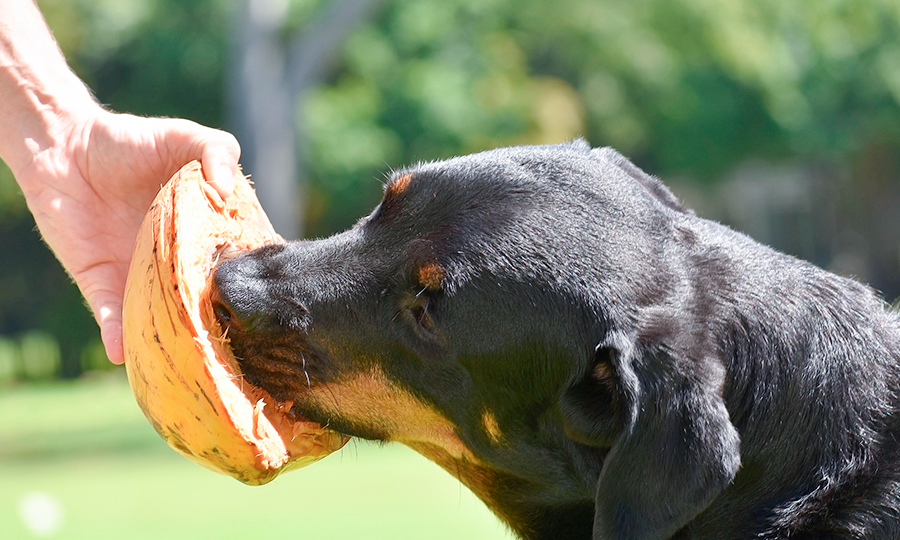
(86, 446)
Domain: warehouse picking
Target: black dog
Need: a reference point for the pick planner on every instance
(552, 327)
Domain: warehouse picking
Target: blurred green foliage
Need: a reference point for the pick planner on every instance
(687, 88)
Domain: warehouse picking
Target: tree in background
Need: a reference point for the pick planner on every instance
(785, 110)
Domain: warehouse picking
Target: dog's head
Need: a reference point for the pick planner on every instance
(492, 313)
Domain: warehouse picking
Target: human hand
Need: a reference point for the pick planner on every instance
(89, 195)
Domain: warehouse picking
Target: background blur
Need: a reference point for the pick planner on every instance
(780, 118)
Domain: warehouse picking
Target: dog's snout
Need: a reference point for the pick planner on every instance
(238, 292)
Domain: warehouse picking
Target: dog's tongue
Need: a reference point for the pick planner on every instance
(180, 366)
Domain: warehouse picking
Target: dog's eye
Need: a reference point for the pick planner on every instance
(418, 308)
(422, 318)
(419, 313)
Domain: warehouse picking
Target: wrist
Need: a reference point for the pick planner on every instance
(40, 122)
(42, 98)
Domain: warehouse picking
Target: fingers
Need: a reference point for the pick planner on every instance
(217, 150)
(108, 313)
(111, 335)
(220, 162)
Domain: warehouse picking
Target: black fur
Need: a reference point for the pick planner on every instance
(650, 374)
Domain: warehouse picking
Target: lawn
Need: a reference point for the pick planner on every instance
(78, 461)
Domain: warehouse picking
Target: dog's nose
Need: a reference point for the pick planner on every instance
(238, 292)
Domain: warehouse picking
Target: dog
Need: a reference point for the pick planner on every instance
(555, 329)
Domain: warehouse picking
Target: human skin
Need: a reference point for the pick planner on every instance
(89, 175)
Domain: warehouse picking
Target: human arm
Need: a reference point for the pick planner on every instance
(88, 175)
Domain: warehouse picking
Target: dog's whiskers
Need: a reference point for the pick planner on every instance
(308, 383)
(239, 375)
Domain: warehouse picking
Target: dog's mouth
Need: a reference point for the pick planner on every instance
(277, 364)
(299, 433)
(271, 379)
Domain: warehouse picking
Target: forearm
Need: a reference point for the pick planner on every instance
(40, 97)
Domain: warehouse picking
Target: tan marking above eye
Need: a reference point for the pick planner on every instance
(398, 186)
(431, 275)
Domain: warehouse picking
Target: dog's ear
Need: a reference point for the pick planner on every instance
(672, 447)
